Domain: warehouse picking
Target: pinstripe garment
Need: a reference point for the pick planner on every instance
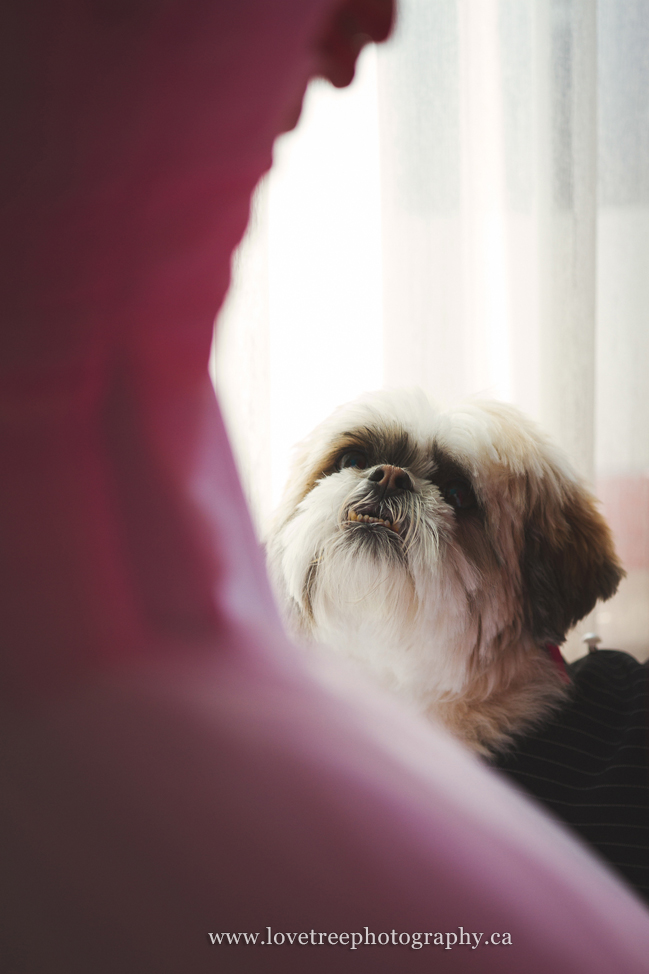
(590, 763)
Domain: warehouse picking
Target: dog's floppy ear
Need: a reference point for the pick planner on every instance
(569, 561)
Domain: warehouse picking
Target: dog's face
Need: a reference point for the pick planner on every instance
(429, 544)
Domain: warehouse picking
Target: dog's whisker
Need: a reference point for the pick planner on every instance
(371, 591)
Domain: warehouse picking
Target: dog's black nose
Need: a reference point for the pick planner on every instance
(391, 478)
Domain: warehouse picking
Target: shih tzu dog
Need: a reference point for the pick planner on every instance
(448, 552)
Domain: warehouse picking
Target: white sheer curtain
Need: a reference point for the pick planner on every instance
(472, 216)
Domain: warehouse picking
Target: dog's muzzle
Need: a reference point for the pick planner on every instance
(385, 502)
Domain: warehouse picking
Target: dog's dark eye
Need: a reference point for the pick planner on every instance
(459, 495)
(353, 459)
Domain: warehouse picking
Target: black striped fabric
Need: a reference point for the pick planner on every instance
(590, 763)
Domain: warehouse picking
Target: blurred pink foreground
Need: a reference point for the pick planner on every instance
(168, 766)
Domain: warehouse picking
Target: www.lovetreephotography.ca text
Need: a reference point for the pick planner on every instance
(447, 939)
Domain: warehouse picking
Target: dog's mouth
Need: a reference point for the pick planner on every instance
(372, 520)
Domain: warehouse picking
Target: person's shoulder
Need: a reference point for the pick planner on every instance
(612, 678)
(605, 663)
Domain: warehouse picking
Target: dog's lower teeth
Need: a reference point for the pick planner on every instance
(368, 519)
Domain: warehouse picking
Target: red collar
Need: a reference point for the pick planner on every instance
(555, 655)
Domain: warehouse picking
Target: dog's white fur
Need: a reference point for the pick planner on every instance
(454, 609)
